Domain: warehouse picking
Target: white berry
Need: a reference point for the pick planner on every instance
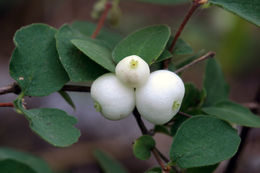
(112, 98)
(161, 96)
(133, 71)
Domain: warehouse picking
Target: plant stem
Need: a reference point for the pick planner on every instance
(202, 58)
(76, 88)
(165, 159)
(7, 104)
(158, 159)
(102, 20)
(195, 5)
(14, 88)
(157, 154)
(140, 122)
(185, 114)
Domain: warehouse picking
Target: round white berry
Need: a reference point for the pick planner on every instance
(133, 71)
(113, 99)
(161, 96)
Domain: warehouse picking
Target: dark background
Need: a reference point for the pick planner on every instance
(235, 41)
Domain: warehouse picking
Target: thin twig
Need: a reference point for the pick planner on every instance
(140, 122)
(165, 159)
(165, 169)
(195, 5)
(7, 104)
(202, 58)
(157, 154)
(102, 20)
(184, 22)
(185, 114)
(76, 88)
(14, 88)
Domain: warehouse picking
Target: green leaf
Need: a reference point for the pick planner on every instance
(203, 141)
(233, 113)
(157, 170)
(53, 125)
(165, 2)
(87, 29)
(178, 120)
(142, 147)
(148, 43)
(13, 166)
(204, 169)
(108, 164)
(21, 160)
(181, 48)
(214, 83)
(161, 129)
(154, 170)
(98, 53)
(247, 9)
(35, 62)
(67, 98)
(192, 97)
(79, 67)
(165, 55)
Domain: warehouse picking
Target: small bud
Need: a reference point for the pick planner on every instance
(114, 15)
(98, 8)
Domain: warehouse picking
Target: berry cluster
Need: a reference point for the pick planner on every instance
(157, 96)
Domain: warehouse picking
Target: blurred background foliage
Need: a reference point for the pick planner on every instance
(235, 41)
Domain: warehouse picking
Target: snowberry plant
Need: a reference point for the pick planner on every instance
(131, 76)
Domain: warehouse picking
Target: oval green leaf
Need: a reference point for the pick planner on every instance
(148, 43)
(109, 164)
(204, 169)
(22, 160)
(247, 9)
(53, 125)
(35, 63)
(192, 97)
(203, 141)
(98, 53)
(79, 67)
(181, 48)
(143, 146)
(214, 83)
(233, 113)
(87, 29)
(13, 166)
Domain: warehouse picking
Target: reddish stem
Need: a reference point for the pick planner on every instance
(165, 169)
(193, 8)
(195, 5)
(202, 58)
(7, 104)
(102, 20)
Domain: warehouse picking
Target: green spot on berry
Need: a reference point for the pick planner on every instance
(97, 106)
(175, 105)
(133, 64)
